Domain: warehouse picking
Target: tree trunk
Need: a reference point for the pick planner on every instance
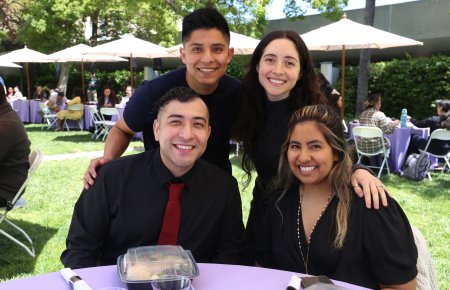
(364, 60)
(64, 77)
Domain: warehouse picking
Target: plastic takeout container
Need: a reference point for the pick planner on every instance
(142, 265)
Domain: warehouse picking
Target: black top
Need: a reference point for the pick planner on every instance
(379, 246)
(125, 208)
(433, 122)
(139, 115)
(14, 153)
(268, 143)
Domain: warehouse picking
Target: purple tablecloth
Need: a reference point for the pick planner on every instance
(35, 117)
(120, 111)
(399, 144)
(22, 108)
(212, 277)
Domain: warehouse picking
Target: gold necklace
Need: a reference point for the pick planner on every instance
(305, 261)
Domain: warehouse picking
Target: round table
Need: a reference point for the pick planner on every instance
(212, 277)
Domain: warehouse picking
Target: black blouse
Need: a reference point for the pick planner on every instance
(379, 247)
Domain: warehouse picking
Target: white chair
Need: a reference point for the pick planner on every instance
(108, 124)
(97, 119)
(364, 134)
(49, 116)
(74, 107)
(439, 134)
(17, 202)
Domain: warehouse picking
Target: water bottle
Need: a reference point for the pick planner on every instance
(403, 118)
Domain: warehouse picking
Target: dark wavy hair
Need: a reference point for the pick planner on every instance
(252, 111)
(204, 18)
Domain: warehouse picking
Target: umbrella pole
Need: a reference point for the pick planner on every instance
(28, 90)
(82, 80)
(343, 79)
(131, 71)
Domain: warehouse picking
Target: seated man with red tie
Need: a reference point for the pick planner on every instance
(164, 196)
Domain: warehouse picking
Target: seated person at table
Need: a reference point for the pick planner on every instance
(441, 120)
(316, 224)
(14, 152)
(17, 94)
(10, 93)
(57, 101)
(128, 94)
(39, 94)
(125, 207)
(107, 98)
(373, 117)
(71, 114)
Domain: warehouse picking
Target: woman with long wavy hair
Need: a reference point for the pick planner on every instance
(316, 225)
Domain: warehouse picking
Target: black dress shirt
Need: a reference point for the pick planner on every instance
(125, 208)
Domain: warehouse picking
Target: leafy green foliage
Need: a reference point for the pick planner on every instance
(410, 83)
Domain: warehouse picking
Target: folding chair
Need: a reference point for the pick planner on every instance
(17, 202)
(74, 107)
(106, 123)
(439, 134)
(49, 116)
(362, 135)
(97, 119)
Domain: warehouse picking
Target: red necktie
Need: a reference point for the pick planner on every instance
(171, 221)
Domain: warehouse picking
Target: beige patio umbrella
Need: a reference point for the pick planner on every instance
(77, 53)
(25, 55)
(346, 34)
(241, 43)
(130, 46)
(4, 63)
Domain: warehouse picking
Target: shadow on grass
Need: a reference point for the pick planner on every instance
(14, 259)
(77, 138)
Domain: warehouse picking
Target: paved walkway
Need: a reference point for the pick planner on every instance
(83, 154)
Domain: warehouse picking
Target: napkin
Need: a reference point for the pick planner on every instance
(74, 280)
(294, 283)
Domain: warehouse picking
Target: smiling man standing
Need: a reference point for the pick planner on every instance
(131, 202)
(206, 54)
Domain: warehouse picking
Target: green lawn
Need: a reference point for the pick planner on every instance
(56, 186)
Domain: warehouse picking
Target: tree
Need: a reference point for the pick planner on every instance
(364, 60)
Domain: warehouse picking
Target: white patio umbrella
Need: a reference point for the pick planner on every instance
(25, 55)
(4, 63)
(130, 46)
(76, 53)
(346, 34)
(241, 43)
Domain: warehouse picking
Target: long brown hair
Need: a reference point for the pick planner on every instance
(329, 123)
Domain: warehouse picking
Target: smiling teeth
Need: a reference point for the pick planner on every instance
(276, 81)
(307, 169)
(184, 147)
(207, 69)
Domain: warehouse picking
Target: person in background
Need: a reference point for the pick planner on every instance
(128, 94)
(14, 152)
(17, 94)
(316, 225)
(373, 117)
(441, 120)
(125, 207)
(39, 94)
(107, 98)
(206, 54)
(10, 93)
(71, 114)
(92, 88)
(57, 101)
(280, 80)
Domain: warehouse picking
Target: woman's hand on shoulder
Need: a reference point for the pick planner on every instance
(368, 186)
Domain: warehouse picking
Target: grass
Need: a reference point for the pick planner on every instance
(56, 185)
